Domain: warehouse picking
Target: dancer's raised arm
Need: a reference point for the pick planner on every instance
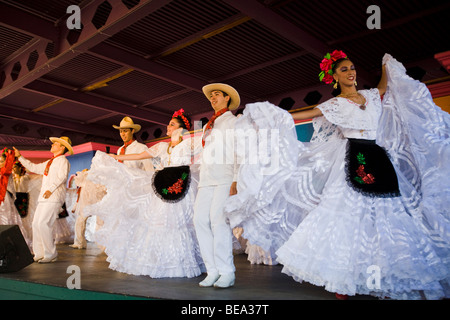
(307, 114)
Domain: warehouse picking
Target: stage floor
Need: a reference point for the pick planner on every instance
(253, 282)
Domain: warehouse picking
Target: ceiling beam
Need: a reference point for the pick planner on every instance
(27, 23)
(209, 32)
(164, 97)
(119, 18)
(257, 67)
(270, 19)
(391, 24)
(94, 101)
(53, 121)
(116, 55)
(154, 69)
(273, 21)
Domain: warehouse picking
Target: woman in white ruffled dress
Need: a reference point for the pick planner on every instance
(320, 212)
(88, 193)
(148, 228)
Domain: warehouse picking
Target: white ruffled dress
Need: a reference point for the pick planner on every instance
(142, 234)
(323, 231)
(9, 214)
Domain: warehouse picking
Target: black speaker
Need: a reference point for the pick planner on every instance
(14, 252)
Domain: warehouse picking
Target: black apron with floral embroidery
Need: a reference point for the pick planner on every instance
(22, 202)
(369, 169)
(171, 183)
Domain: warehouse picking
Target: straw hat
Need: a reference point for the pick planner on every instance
(65, 141)
(234, 95)
(127, 123)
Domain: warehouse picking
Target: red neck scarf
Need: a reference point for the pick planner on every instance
(78, 193)
(124, 147)
(5, 172)
(49, 163)
(210, 124)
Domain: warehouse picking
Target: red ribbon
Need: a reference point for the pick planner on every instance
(210, 124)
(49, 163)
(122, 151)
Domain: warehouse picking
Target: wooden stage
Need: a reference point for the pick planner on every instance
(253, 282)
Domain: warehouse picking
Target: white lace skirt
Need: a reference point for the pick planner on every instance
(324, 232)
(10, 216)
(142, 234)
(348, 235)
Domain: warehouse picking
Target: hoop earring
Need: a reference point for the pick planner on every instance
(335, 85)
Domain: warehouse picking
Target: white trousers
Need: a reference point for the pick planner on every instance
(43, 223)
(213, 232)
(80, 229)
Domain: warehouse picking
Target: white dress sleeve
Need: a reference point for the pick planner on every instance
(267, 153)
(416, 133)
(157, 149)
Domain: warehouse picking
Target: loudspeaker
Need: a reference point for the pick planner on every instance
(14, 252)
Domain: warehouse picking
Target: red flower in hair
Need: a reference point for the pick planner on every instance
(178, 113)
(336, 55)
(328, 78)
(327, 65)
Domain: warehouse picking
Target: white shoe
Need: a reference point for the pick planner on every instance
(36, 259)
(225, 281)
(76, 246)
(209, 280)
(48, 260)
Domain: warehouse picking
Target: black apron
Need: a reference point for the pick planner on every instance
(172, 183)
(369, 169)
(22, 202)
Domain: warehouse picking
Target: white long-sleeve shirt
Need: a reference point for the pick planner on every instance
(54, 181)
(218, 161)
(137, 147)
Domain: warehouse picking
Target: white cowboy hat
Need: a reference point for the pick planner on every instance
(65, 141)
(127, 123)
(232, 93)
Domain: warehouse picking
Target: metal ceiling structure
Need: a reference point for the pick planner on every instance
(147, 58)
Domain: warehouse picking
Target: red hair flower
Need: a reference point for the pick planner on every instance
(336, 55)
(328, 78)
(327, 65)
(178, 113)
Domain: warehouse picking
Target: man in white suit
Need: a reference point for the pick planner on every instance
(127, 128)
(51, 197)
(218, 173)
